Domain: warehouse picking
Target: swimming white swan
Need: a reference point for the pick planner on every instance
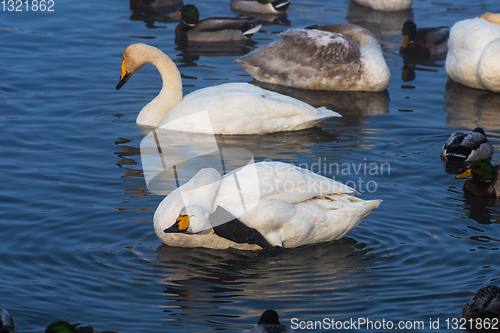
(386, 5)
(261, 6)
(321, 57)
(263, 205)
(473, 57)
(233, 108)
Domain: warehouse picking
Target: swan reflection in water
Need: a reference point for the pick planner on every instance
(211, 284)
(151, 11)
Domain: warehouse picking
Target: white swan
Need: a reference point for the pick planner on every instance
(277, 205)
(386, 5)
(261, 6)
(473, 57)
(233, 108)
(326, 57)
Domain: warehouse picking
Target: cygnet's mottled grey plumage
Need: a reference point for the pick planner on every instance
(330, 57)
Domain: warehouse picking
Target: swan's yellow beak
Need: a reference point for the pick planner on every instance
(124, 77)
(466, 174)
(180, 225)
(406, 39)
(178, 15)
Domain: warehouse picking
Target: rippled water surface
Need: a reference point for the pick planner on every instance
(76, 235)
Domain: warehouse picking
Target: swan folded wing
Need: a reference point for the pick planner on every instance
(305, 53)
(242, 108)
(275, 180)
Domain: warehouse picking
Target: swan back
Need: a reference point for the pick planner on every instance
(242, 108)
(470, 60)
(331, 57)
(386, 5)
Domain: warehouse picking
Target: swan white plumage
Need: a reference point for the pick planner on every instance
(386, 5)
(473, 57)
(233, 108)
(286, 205)
(261, 6)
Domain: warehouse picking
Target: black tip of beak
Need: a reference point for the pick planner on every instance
(173, 229)
(123, 80)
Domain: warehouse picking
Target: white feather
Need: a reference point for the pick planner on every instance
(288, 205)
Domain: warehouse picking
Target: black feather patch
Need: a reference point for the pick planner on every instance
(237, 231)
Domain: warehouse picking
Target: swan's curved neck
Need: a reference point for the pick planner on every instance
(170, 94)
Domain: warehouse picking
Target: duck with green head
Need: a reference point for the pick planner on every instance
(7, 326)
(424, 42)
(213, 29)
(484, 181)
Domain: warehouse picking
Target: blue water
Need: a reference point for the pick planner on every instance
(76, 235)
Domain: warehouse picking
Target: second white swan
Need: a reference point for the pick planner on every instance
(232, 108)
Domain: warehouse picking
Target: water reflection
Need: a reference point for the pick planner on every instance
(482, 210)
(470, 108)
(380, 23)
(213, 284)
(151, 11)
(456, 167)
(355, 106)
(191, 51)
(413, 63)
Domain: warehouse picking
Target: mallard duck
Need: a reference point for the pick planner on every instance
(7, 326)
(424, 41)
(232, 108)
(328, 57)
(484, 181)
(6, 322)
(467, 147)
(261, 6)
(386, 5)
(484, 305)
(473, 57)
(266, 205)
(269, 322)
(65, 327)
(213, 29)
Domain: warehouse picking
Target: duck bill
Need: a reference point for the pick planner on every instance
(466, 174)
(124, 77)
(181, 225)
(178, 15)
(406, 39)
